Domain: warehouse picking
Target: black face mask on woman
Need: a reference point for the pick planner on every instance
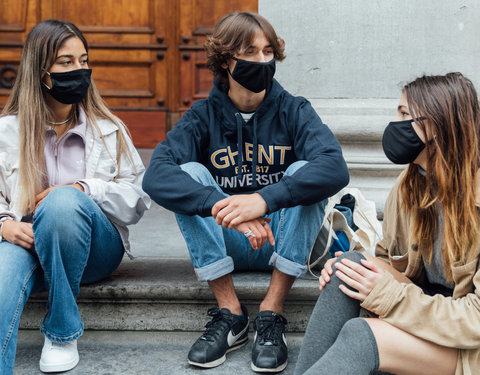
(70, 87)
(401, 143)
(254, 76)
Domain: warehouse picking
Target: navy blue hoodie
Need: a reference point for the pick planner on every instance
(283, 129)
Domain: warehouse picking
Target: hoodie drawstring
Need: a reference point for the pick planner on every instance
(240, 123)
(255, 153)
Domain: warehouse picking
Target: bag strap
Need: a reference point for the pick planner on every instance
(376, 235)
(331, 234)
(329, 225)
(365, 217)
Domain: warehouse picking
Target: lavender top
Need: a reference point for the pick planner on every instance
(65, 159)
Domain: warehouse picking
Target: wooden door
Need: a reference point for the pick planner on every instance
(147, 55)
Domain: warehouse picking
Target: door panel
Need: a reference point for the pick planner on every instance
(106, 16)
(15, 19)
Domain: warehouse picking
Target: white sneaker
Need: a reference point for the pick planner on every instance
(58, 357)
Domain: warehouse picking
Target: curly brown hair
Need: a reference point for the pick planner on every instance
(234, 33)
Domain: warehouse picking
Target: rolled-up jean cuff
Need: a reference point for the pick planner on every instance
(61, 339)
(215, 270)
(287, 266)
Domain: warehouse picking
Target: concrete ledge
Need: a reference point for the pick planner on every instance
(151, 293)
(363, 119)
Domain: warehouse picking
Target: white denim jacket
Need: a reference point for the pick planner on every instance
(122, 200)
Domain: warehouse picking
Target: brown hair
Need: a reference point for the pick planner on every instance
(27, 102)
(448, 105)
(234, 33)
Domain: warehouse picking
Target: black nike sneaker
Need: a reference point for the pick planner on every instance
(269, 353)
(224, 333)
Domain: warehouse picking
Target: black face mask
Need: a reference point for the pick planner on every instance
(254, 76)
(70, 87)
(401, 143)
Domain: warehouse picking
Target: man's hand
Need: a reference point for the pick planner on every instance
(41, 196)
(260, 232)
(18, 233)
(236, 209)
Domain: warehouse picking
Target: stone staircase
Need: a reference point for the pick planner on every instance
(162, 293)
(145, 316)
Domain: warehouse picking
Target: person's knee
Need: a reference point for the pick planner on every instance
(197, 171)
(292, 168)
(194, 168)
(354, 256)
(353, 329)
(332, 285)
(61, 206)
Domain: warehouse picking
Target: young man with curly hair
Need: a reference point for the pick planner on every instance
(247, 172)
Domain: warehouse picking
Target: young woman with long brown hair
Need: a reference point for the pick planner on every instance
(421, 293)
(70, 183)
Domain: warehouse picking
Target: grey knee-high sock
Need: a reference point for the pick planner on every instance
(332, 311)
(354, 352)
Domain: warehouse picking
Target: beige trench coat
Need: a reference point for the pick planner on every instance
(449, 321)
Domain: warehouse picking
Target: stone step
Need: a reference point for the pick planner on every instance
(140, 353)
(160, 293)
(158, 290)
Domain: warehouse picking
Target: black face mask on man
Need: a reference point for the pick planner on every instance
(401, 143)
(254, 76)
(70, 87)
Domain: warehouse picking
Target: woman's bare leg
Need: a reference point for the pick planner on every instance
(404, 354)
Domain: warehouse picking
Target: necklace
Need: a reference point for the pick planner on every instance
(61, 122)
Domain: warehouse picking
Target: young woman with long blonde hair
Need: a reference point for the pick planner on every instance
(421, 293)
(70, 183)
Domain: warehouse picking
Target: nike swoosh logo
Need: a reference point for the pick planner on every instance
(231, 338)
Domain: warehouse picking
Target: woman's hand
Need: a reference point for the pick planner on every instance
(41, 196)
(260, 232)
(327, 270)
(18, 233)
(361, 277)
(236, 209)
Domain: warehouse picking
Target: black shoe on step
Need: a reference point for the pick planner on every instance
(224, 333)
(269, 353)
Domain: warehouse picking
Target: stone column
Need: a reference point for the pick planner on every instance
(350, 58)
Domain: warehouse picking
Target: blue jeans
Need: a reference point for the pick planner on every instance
(74, 243)
(216, 251)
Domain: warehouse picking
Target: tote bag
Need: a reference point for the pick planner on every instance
(335, 231)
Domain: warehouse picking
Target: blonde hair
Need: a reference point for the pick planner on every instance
(449, 106)
(27, 101)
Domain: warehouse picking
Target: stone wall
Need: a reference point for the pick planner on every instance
(351, 57)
